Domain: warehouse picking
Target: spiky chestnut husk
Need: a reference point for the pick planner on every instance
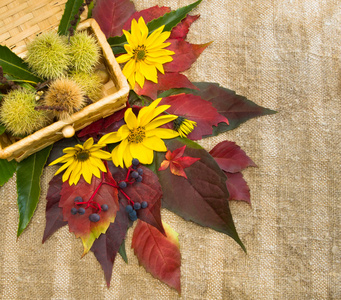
(18, 113)
(48, 55)
(84, 52)
(91, 84)
(103, 74)
(65, 94)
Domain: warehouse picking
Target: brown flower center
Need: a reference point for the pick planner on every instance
(137, 135)
(82, 156)
(140, 52)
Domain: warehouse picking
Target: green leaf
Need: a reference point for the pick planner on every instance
(27, 84)
(170, 20)
(90, 8)
(15, 66)
(2, 128)
(122, 251)
(28, 185)
(178, 91)
(7, 169)
(71, 9)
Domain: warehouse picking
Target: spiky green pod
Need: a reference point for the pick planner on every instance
(66, 95)
(84, 52)
(48, 55)
(91, 84)
(18, 113)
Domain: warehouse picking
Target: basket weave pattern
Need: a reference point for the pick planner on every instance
(115, 91)
(21, 20)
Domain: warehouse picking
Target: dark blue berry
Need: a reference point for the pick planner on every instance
(137, 206)
(144, 204)
(135, 162)
(74, 210)
(134, 174)
(81, 211)
(78, 199)
(129, 208)
(133, 215)
(122, 184)
(139, 178)
(104, 207)
(94, 218)
(140, 171)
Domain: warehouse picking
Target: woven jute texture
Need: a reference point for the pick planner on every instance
(284, 55)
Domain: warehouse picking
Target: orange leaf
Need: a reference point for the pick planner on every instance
(159, 254)
(176, 162)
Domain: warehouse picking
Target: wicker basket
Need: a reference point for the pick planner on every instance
(115, 96)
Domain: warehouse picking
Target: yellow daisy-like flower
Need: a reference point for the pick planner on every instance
(145, 54)
(140, 136)
(83, 160)
(184, 126)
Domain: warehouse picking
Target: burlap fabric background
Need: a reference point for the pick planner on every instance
(284, 55)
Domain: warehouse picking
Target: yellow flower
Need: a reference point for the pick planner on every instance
(184, 126)
(140, 135)
(145, 54)
(83, 160)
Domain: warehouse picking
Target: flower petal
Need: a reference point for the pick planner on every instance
(154, 143)
(88, 143)
(130, 119)
(129, 68)
(157, 122)
(121, 148)
(101, 154)
(139, 79)
(127, 157)
(162, 133)
(141, 152)
(68, 171)
(110, 138)
(86, 171)
(98, 163)
(65, 166)
(149, 71)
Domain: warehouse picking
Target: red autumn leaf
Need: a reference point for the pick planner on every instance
(237, 187)
(80, 225)
(101, 126)
(237, 109)
(107, 245)
(196, 109)
(159, 254)
(176, 162)
(165, 82)
(185, 55)
(180, 31)
(111, 15)
(148, 15)
(54, 214)
(148, 190)
(230, 157)
(203, 197)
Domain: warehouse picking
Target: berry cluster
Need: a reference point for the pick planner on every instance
(134, 175)
(94, 217)
(131, 209)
